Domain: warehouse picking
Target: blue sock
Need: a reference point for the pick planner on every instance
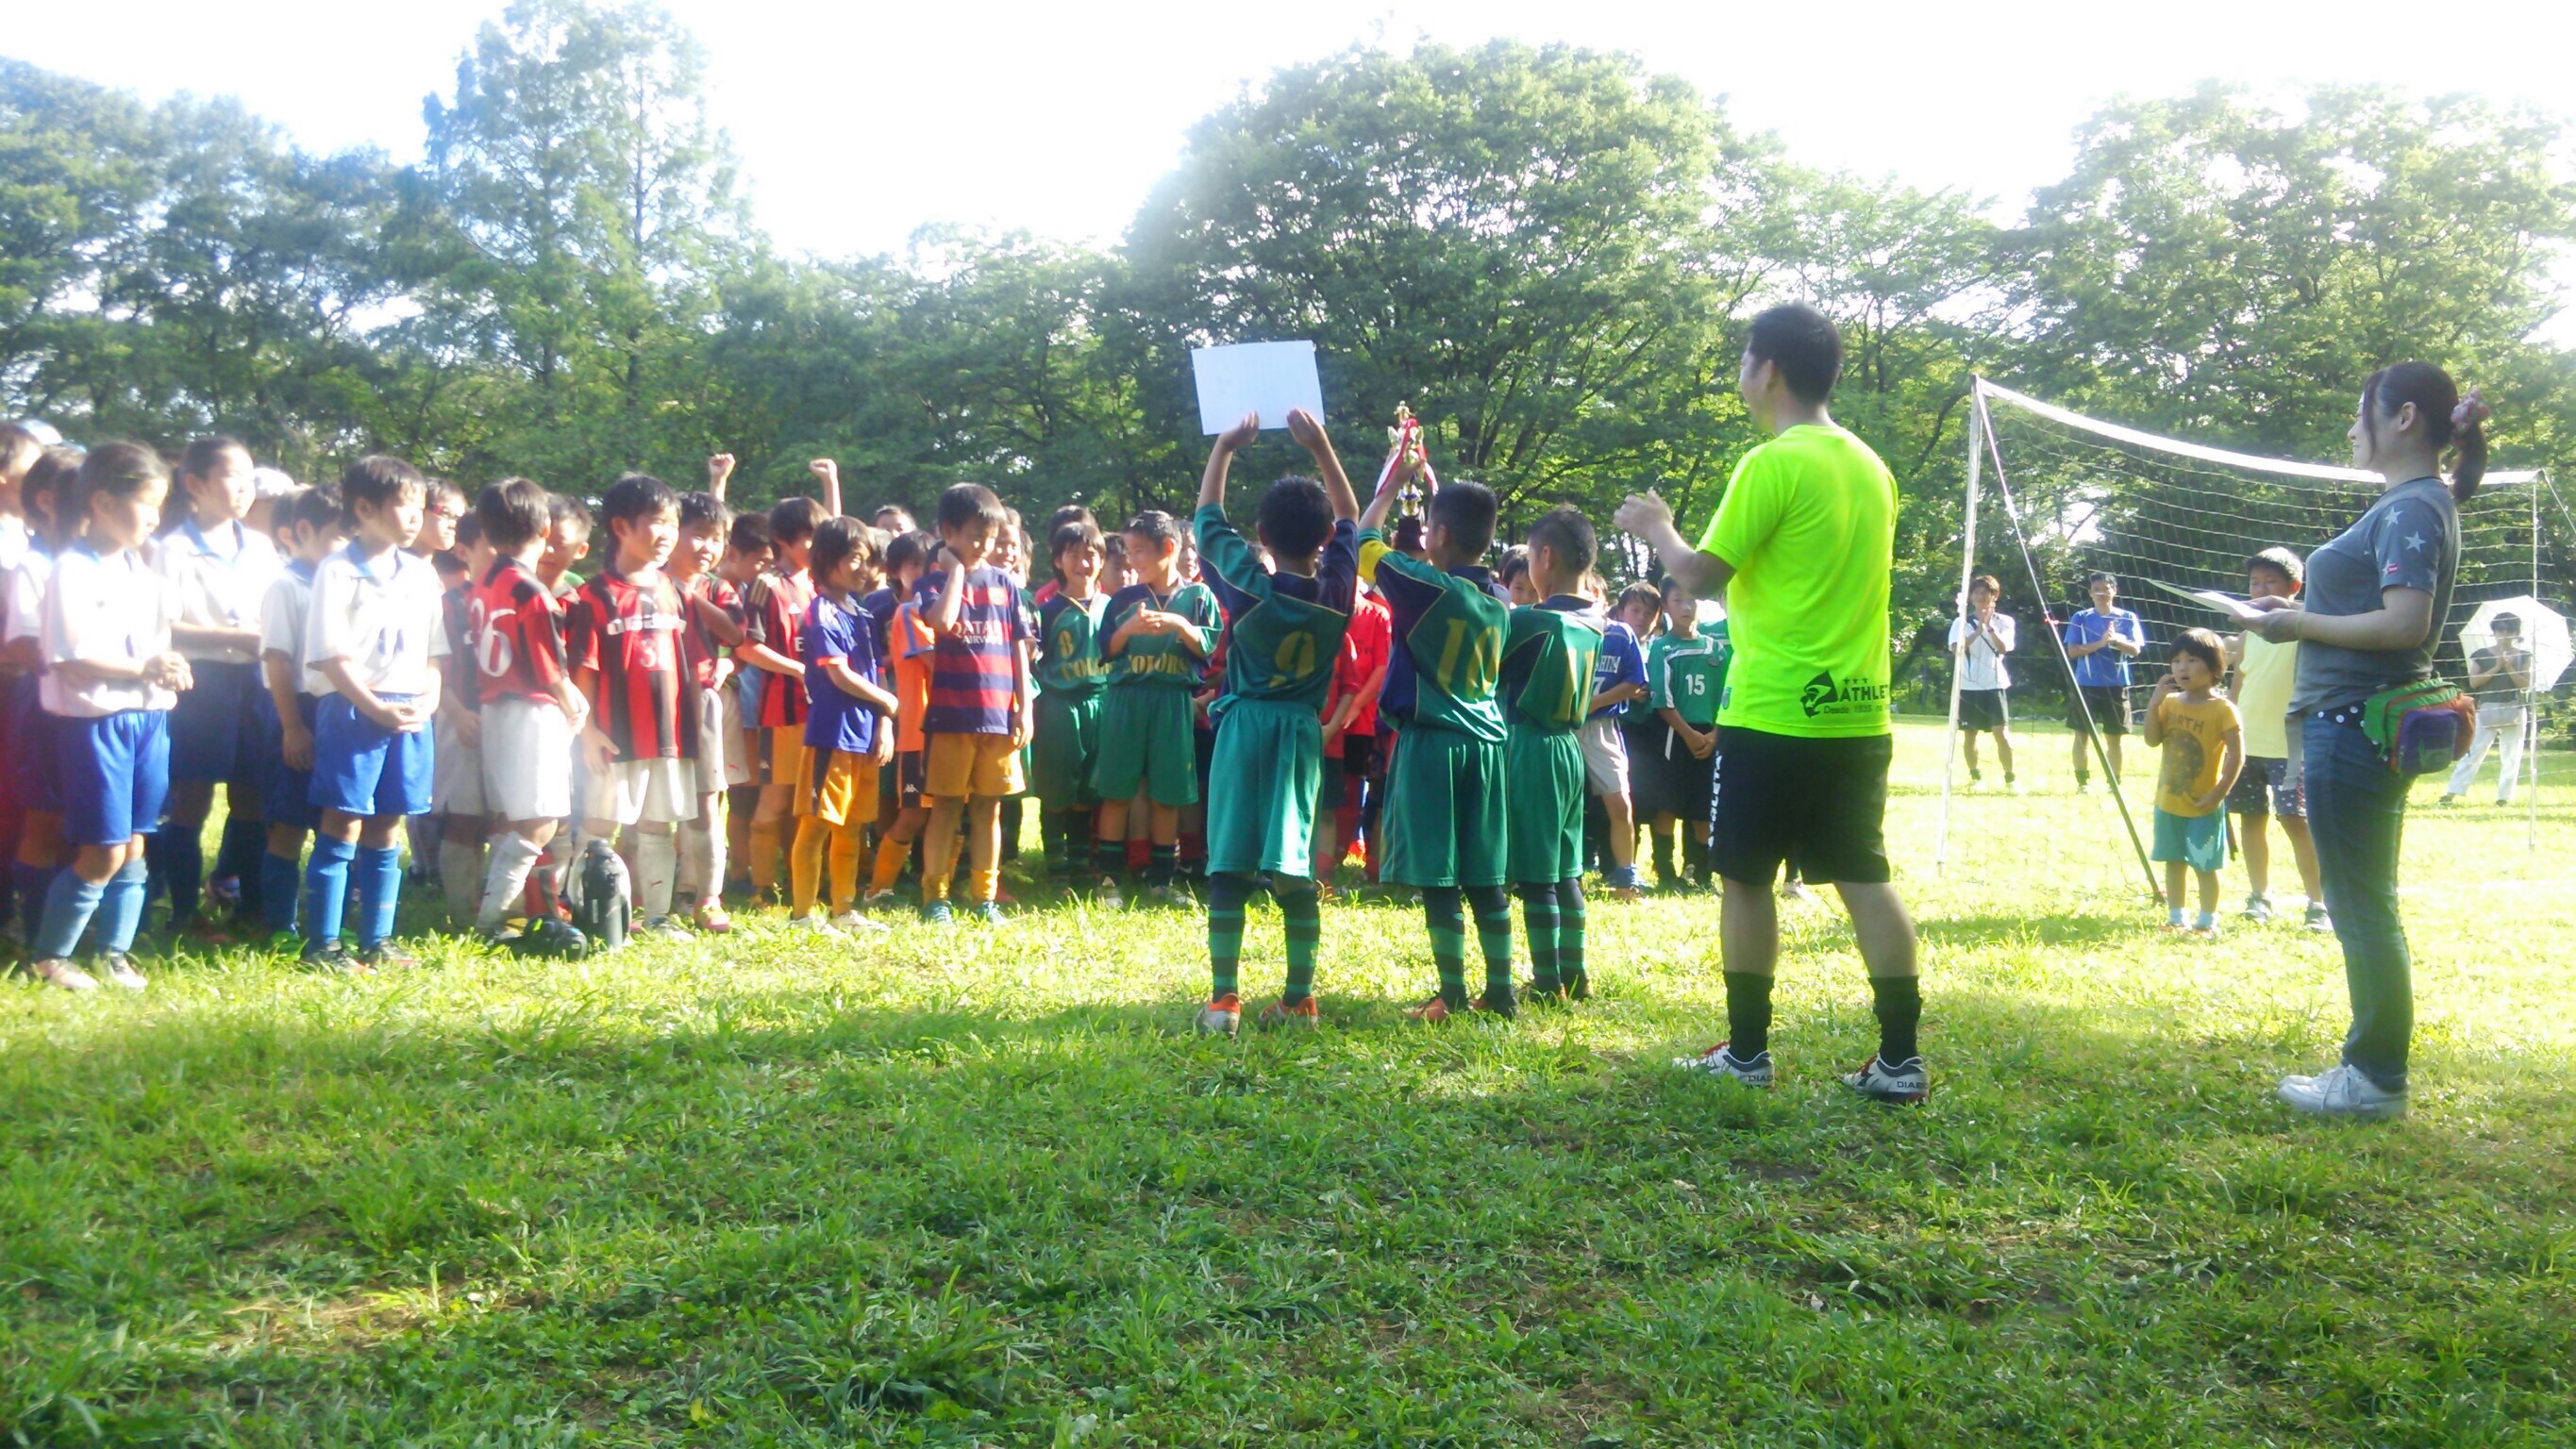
(379, 891)
(326, 890)
(120, 908)
(181, 858)
(33, 882)
(277, 875)
(69, 903)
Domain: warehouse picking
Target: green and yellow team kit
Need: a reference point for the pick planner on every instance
(1546, 690)
(1071, 678)
(1279, 661)
(1444, 816)
(1147, 736)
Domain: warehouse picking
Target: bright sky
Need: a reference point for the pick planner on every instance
(857, 123)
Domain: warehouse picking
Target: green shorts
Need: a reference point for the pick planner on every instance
(1445, 809)
(1063, 749)
(1269, 762)
(1148, 744)
(2198, 841)
(1543, 777)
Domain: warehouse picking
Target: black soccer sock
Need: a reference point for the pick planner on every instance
(1163, 864)
(1109, 858)
(1538, 915)
(1663, 858)
(1748, 1014)
(1302, 925)
(1695, 859)
(1226, 895)
(1445, 916)
(1898, 1003)
(1493, 907)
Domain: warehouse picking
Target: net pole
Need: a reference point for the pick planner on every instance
(2531, 698)
(2057, 640)
(1967, 570)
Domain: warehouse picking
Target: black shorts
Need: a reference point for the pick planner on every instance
(1664, 778)
(2109, 704)
(1359, 755)
(1820, 805)
(911, 776)
(1984, 709)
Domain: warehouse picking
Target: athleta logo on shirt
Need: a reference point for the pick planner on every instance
(1823, 696)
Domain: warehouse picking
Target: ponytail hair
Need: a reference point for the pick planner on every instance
(2451, 422)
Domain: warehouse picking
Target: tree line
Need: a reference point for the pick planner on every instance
(1546, 251)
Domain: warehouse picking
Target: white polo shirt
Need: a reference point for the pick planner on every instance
(283, 617)
(1981, 667)
(222, 580)
(25, 601)
(107, 610)
(379, 614)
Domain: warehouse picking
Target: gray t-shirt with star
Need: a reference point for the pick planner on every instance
(2410, 539)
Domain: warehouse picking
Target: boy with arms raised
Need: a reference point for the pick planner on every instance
(1269, 749)
(1161, 631)
(1444, 816)
(1071, 677)
(625, 639)
(531, 713)
(374, 633)
(771, 609)
(1547, 686)
(714, 613)
(1802, 548)
(978, 714)
(2204, 749)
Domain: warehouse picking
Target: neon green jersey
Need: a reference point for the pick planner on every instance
(1809, 525)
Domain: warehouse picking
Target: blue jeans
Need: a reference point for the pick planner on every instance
(2356, 810)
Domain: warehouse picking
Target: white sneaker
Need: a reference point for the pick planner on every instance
(812, 926)
(2319, 921)
(2341, 1092)
(63, 974)
(1717, 1061)
(2258, 909)
(853, 921)
(1106, 896)
(1796, 890)
(1907, 1081)
(121, 972)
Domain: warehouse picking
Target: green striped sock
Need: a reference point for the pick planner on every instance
(1304, 914)
(1226, 895)
(1162, 864)
(1569, 929)
(1494, 934)
(1448, 922)
(1109, 858)
(1538, 914)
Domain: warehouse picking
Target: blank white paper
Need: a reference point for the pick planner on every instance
(1268, 378)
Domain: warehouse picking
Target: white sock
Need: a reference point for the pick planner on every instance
(702, 861)
(2173, 916)
(657, 857)
(513, 856)
(460, 875)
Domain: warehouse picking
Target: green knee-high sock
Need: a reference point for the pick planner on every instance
(1162, 865)
(1226, 895)
(1109, 858)
(1493, 906)
(1304, 914)
(1569, 931)
(1538, 914)
(1441, 911)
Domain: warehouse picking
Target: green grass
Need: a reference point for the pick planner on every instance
(982, 1188)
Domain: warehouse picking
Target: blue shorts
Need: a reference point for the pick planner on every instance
(362, 768)
(2198, 841)
(285, 793)
(31, 747)
(114, 772)
(212, 727)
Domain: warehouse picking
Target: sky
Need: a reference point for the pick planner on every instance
(857, 124)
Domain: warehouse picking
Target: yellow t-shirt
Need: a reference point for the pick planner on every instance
(2195, 751)
(1809, 525)
(2263, 683)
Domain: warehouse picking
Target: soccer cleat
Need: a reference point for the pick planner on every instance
(1578, 986)
(852, 921)
(2205, 933)
(2448, 801)
(711, 918)
(386, 956)
(989, 912)
(669, 928)
(2342, 1092)
(1907, 1081)
(1794, 889)
(1497, 1001)
(1297, 1015)
(202, 930)
(1720, 1061)
(1220, 1017)
(1106, 893)
(1544, 993)
(1436, 1010)
(2318, 919)
(2258, 909)
(936, 913)
(63, 974)
(812, 926)
(877, 898)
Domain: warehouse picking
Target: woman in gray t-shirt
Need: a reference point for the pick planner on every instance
(2373, 613)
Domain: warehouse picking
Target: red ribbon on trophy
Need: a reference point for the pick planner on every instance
(1408, 463)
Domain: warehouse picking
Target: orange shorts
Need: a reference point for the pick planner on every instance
(839, 788)
(783, 756)
(981, 767)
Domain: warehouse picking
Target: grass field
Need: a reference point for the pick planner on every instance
(982, 1187)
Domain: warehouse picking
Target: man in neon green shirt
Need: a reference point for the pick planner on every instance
(1802, 548)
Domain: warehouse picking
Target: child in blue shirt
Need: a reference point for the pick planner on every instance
(1618, 680)
(849, 727)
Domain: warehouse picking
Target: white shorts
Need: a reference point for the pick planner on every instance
(527, 760)
(657, 791)
(456, 780)
(1605, 756)
(737, 756)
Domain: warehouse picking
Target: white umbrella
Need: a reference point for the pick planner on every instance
(2544, 633)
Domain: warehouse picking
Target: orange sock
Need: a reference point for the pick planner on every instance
(805, 864)
(985, 884)
(891, 855)
(766, 838)
(847, 848)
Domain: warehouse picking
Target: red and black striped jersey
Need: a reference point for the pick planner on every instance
(518, 632)
(701, 646)
(629, 633)
(772, 613)
(456, 614)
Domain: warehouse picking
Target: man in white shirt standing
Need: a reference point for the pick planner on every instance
(1979, 640)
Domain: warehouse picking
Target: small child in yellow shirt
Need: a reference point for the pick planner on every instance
(2204, 747)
